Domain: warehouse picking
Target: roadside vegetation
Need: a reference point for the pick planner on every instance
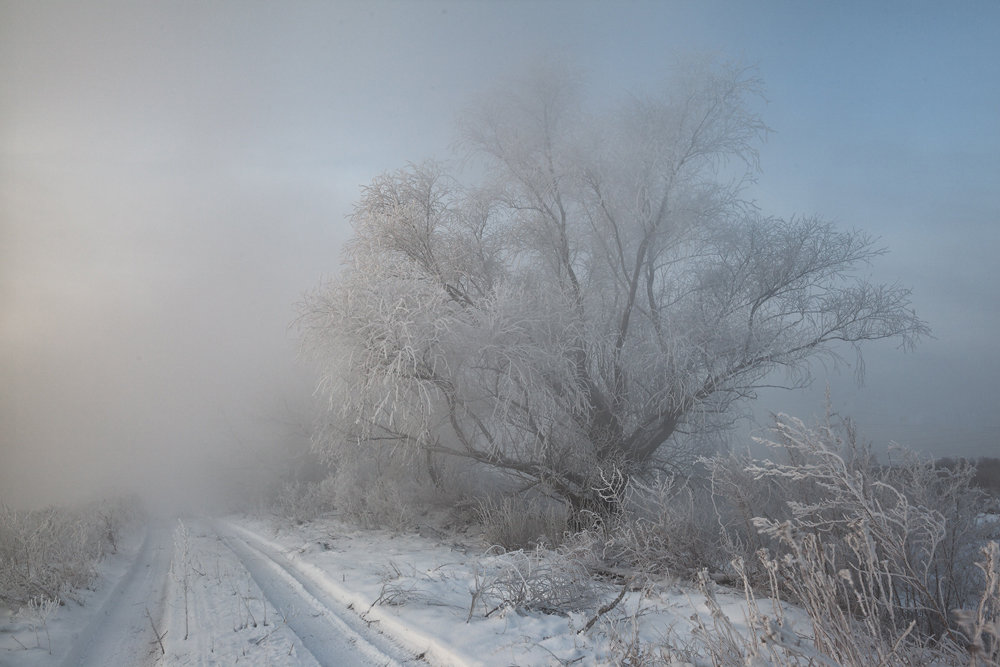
(840, 559)
(545, 362)
(48, 555)
(551, 335)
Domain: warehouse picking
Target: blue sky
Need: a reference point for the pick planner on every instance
(173, 176)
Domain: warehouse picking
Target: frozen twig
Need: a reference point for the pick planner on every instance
(159, 637)
(606, 608)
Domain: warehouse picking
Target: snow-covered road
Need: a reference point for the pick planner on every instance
(261, 592)
(332, 634)
(119, 632)
(202, 592)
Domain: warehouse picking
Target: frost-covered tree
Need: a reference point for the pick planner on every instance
(603, 288)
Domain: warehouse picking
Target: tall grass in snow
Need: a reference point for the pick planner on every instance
(49, 553)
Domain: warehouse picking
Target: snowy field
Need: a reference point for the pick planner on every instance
(328, 594)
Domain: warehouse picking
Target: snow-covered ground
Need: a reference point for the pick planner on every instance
(329, 594)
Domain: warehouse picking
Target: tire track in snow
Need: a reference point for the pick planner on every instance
(120, 633)
(310, 614)
(224, 619)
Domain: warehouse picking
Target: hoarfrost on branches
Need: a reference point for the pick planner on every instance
(605, 288)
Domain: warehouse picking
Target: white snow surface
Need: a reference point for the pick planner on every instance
(326, 593)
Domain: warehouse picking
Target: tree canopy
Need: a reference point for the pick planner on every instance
(601, 286)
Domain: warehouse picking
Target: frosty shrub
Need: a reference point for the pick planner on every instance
(38, 612)
(886, 560)
(981, 624)
(540, 580)
(878, 556)
(300, 502)
(49, 553)
(380, 504)
(370, 489)
(514, 522)
(375, 503)
(953, 493)
(373, 494)
(737, 497)
(664, 526)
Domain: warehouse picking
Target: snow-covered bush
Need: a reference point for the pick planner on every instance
(981, 625)
(37, 613)
(300, 502)
(541, 580)
(886, 561)
(514, 522)
(737, 498)
(375, 492)
(665, 526)
(379, 503)
(49, 553)
(878, 556)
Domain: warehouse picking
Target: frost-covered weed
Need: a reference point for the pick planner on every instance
(37, 613)
(880, 532)
(514, 522)
(877, 556)
(981, 624)
(886, 561)
(182, 566)
(539, 580)
(379, 504)
(665, 527)
(52, 552)
(300, 502)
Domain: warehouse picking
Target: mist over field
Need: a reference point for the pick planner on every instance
(647, 333)
(174, 177)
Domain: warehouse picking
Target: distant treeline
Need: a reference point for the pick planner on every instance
(987, 475)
